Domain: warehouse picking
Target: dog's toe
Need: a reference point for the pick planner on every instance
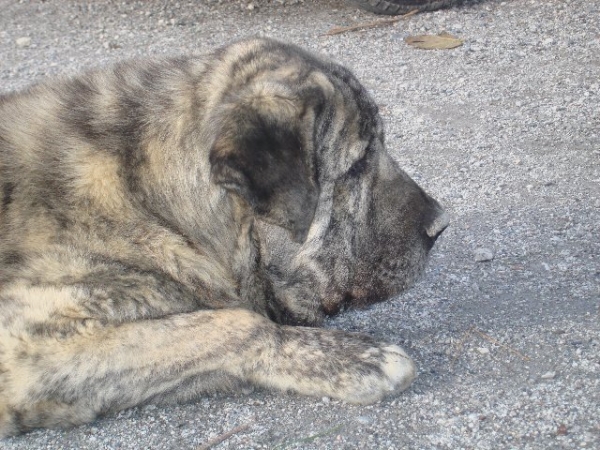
(386, 370)
(399, 368)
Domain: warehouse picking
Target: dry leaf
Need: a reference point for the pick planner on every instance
(442, 41)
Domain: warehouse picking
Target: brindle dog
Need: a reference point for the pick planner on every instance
(171, 227)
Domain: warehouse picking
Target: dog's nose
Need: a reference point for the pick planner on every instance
(436, 220)
(438, 224)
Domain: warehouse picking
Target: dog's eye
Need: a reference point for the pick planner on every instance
(358, 167)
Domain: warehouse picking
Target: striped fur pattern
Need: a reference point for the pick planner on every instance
(177, 226)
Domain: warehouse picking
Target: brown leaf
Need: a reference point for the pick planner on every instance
(442, 41)
(562, 430)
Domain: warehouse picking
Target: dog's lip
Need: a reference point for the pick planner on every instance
(358, 297)
(342, 300)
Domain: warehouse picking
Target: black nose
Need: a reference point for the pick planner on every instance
(436, 221)
(438, 225)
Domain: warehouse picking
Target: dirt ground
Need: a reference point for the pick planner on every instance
(503, 130)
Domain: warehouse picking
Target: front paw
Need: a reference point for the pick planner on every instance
(351, 367)
(386, 370)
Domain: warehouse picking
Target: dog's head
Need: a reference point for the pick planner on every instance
(301, 141)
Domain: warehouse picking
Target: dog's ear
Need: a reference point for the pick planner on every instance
(260, 154)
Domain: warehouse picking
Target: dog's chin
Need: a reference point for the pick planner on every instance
(376, 288)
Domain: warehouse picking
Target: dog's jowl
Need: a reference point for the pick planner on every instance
(166, 226)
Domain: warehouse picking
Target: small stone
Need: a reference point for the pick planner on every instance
(548, 375)
(325, 400)
(23, 41)
(483, 254)
(483, 350)
(364, 420)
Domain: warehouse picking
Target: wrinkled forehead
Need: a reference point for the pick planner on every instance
(350, 125)
(249, 60)
(346, 117)
(358, 103)
(299, 66)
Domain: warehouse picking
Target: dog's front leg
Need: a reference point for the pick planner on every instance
(71, 380)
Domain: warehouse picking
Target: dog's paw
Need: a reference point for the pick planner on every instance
(351, 367)
(386, 370)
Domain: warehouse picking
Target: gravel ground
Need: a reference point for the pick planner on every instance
(504, 131)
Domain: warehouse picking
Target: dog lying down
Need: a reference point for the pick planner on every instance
(172, 227)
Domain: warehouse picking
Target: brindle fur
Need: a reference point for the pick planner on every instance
(167, 225)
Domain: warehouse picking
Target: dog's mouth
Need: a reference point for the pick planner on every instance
(357, 298)
(382, 282)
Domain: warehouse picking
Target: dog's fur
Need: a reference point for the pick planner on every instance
(165, 223)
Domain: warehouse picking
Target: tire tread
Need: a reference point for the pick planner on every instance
(394, 7)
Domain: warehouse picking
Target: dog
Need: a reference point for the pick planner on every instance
(178, 226)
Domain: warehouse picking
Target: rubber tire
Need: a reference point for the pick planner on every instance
(394, 7)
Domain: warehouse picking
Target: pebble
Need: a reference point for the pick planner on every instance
(548, 376)
(364, 420)
(22, 42)
(483, 254)
(437, 125)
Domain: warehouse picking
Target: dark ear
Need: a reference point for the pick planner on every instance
(261, 156)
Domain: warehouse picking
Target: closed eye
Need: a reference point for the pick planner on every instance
(358, 168)
(362, 164)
